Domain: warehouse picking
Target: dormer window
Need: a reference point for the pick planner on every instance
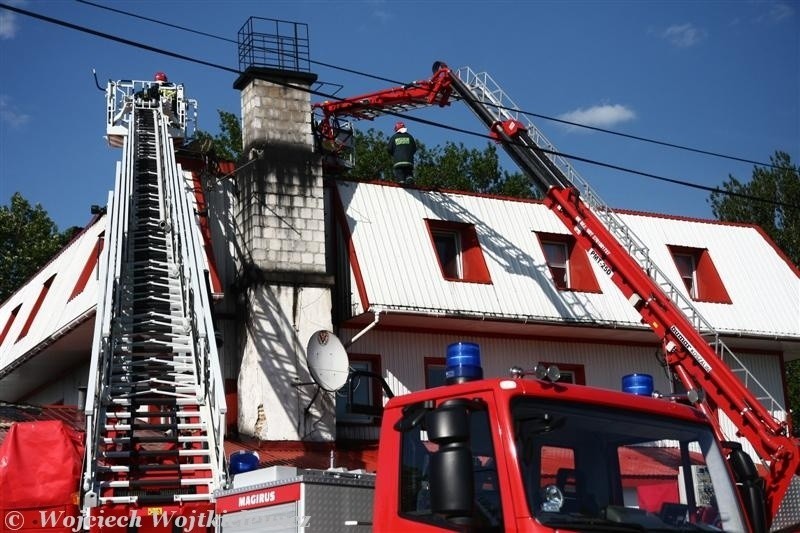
(568, 264)
(458, 251)
(699, 275)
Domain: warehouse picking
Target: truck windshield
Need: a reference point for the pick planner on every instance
(589, 468)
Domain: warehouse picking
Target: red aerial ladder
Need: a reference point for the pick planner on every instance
(692, 348)
(155, 407)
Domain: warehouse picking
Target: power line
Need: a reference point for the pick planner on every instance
(156, 21)
(117, 39)
(404, 116)
(609, 165)
(526, 113)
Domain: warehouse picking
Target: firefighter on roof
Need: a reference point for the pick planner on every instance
(402, 147)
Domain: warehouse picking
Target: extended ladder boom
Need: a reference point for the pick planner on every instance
(699, 363)
(155, 403)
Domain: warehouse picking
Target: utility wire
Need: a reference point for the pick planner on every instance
(404, 116)
(156, 21)
(606, 165)
(117, 39)
(527, 113)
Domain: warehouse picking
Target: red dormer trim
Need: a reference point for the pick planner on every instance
(473, 264)
(581, 276)
(36, 306)
(341, 216)
(88, 267)
(205, 234)
(9, 322)
(709, 284)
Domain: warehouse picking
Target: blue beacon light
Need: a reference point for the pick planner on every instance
(639, 384)
(463, 363)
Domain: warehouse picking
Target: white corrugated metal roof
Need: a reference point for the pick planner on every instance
(400, 270)
(59, 311)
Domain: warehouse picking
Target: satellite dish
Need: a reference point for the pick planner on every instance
(327, 361)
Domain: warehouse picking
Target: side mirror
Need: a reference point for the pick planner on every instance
(750, 485)
(451, 473)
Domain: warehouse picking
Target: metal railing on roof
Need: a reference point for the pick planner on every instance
(273, 43)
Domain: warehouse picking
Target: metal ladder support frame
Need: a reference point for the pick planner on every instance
(203, 382)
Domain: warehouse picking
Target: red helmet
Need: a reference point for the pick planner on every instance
(160, 76)
(398, 126)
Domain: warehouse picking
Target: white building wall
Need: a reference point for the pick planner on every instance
(271, 407)
(402, 357)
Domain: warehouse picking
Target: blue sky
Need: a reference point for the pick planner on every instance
(721, 76)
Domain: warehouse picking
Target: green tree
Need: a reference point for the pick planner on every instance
(452, 166)
(779, 183)
(226, 145)
(28, 239)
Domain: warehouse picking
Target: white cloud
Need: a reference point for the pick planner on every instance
(382, 15)
(8, 21)
(777, 12)
(381, 10)
(684, 35)
(599, 116)
(8, 25)
(11, 116)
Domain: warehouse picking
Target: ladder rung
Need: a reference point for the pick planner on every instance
(173, 482)
(129, 427)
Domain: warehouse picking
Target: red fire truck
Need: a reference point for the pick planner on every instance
(526, 424)
(516, 453)
(523, 453)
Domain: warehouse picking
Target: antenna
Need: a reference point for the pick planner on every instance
(327, 361)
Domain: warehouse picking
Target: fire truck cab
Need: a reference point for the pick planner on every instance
(524, 454)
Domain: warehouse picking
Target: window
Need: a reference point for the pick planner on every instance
(570, 373)
(434, 372)
(687, 269)
(568, 264)
(36, 306)
(448, 249)
(699, 275)
(361, 399)
(556, 255)
(458, 251)
(591, 461)
(558, 467)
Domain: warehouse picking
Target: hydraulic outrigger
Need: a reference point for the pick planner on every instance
(700, 364)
